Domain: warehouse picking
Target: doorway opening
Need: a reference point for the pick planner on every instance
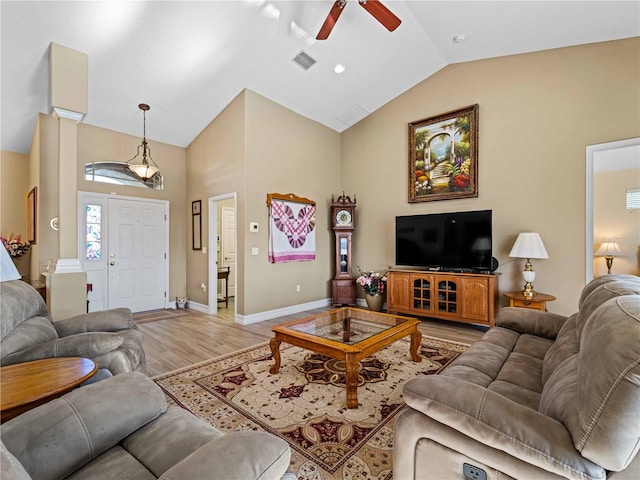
(222, 252)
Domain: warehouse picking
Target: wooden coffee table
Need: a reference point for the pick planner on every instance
(348, 334)
(27, 385)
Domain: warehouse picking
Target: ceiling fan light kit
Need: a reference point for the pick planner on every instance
(374, 7)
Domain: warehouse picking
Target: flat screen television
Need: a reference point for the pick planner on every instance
(459, 241)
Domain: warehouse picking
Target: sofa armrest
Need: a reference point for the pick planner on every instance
(105, 321)
(498, 422)
(87, 345)
(246, 455)
(57, 438)
(533, 322)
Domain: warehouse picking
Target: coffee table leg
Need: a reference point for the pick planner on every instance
(416, 338)
(351, 380)
(275, 351)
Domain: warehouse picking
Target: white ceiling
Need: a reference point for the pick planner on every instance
(189, 59)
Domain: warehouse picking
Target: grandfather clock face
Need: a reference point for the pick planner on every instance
(343, 223)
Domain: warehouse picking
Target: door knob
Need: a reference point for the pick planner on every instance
(112, 263)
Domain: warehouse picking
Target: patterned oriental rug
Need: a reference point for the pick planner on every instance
(305, 402)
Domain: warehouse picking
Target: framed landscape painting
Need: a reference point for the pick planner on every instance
(443, 156)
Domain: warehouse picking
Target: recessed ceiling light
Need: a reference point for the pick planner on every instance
(459, 39)
(339, 68)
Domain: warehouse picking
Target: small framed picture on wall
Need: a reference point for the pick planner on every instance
(196, 225)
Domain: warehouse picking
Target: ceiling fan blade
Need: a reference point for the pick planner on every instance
(331, 20)
(381, 13)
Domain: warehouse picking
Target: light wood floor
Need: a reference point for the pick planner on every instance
(182, 341)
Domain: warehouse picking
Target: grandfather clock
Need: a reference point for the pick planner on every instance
(343, 286)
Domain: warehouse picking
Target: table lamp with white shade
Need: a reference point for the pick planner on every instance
(608, 250)
(528, 245)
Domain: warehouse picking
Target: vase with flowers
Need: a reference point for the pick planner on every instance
(374, 285)
(19, 253)
(14, 245)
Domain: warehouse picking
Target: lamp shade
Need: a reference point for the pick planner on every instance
(8, 270)
(143, 170)
(608, 249)
(529, 245)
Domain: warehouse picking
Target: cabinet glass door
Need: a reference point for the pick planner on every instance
(447, 296)
(421, 294)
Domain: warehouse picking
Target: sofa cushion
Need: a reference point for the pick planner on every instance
(608, 392)
(28, 334)
(83, 345)
(566, 345)
(115, 463)
(482, 362)
(106, 321)
(10, 467)
(18, 302)
(628, 285)
(169, 439)
(247, 455)
(559, 395)
(601, 280)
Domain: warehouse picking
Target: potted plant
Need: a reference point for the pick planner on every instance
(374, 285)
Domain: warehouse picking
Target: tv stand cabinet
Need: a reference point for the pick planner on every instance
(459, 297)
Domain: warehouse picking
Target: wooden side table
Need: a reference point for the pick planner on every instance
(538, 302)
(26, 385)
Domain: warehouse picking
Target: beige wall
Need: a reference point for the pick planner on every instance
(216, 166)
(613, 222)
(287, 153)
(14, 187)
(253, 148)
(537, 114)
(98, 144)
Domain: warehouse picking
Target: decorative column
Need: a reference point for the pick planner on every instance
(67, 286)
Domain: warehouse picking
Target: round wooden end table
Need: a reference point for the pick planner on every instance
(26, 385)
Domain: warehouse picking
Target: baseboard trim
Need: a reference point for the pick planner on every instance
(281, 312)
(198, 307)
(271, 314)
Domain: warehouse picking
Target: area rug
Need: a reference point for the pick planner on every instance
(305, 402)
(155, 315)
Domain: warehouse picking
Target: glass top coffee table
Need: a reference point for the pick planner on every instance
(348, 334)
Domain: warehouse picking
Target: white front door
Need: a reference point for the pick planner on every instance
(137, 254)
(228, 242)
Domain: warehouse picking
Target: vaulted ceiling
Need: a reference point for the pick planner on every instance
(189, 59)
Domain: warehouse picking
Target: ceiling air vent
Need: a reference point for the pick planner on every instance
(304, 60)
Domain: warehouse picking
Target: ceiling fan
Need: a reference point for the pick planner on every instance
(374, 7)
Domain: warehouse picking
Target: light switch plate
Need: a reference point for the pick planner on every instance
(255, 251)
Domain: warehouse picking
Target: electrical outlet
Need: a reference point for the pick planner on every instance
(297, 288)
(473, 473)
(203, 286)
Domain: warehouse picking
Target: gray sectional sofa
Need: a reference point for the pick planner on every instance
(539, 396)
(121, 428)
(110, 338)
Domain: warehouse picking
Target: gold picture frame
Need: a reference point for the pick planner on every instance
(443, 156)
(196, 225)
(32, 212)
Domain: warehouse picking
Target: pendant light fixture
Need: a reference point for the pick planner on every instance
(147, 168)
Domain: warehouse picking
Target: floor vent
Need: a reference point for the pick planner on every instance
(304, 60)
